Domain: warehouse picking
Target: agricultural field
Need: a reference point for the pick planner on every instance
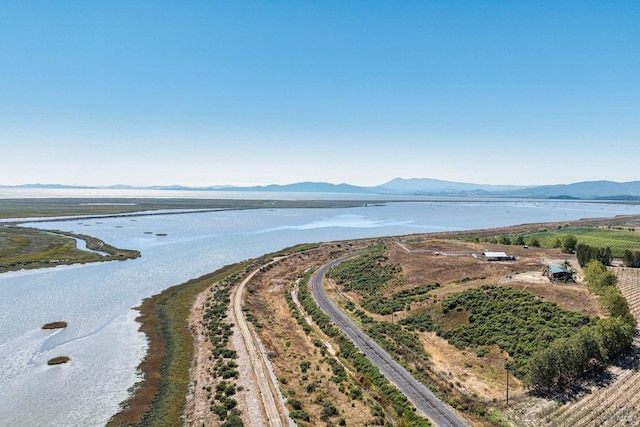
(618, 239)
(617, 403)
(457, 320)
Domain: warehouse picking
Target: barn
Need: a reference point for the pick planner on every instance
(557, 273)
(497, 256)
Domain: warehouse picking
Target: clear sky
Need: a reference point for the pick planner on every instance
(234, 92)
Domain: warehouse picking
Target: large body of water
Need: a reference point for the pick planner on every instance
(97, 299)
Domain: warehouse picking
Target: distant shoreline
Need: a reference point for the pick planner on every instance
(19, 211)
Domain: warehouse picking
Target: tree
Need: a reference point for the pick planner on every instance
(631, 258)
(533, 242)
(504, 240)
(597, 276)
(569, 244)
(586, 253)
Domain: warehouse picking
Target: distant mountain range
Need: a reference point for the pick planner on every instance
(587, 190)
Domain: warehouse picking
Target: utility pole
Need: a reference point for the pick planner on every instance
(507, 368)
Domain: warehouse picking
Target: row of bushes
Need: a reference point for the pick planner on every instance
(225, 368)
(349, 352)
(568, 359)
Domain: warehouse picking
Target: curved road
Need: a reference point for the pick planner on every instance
(423, 399)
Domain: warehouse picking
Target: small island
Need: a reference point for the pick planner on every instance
(55, 325)
(58, 360)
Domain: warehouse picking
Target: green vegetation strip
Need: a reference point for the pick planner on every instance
(160, 398)
(222, 358)
(53, 207)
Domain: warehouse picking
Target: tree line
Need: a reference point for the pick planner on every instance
(594, 345)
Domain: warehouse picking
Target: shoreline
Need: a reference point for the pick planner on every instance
(172, 307)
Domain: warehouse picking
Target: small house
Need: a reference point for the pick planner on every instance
(497, 256)
(557, 273)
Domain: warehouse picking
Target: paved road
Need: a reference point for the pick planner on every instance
(423, 399)
(263, 379)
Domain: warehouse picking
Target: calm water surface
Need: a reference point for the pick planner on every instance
(97, 299)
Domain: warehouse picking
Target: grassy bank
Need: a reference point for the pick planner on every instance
(29, 248)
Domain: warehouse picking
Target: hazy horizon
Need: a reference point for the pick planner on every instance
(222, 186)
(254, 93)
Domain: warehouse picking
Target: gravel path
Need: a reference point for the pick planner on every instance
(264, 378)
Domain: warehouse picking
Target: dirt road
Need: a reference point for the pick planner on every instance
(268, 390)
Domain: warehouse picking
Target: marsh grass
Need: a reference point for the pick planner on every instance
(52, 207)
(55, 325)
(28, 248)
(58, 360)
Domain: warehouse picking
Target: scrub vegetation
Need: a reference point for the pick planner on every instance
(360, 364)
(159, 399)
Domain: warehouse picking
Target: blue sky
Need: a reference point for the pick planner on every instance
(236, 92)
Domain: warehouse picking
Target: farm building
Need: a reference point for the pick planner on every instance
(558, 273)
(497, 256)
